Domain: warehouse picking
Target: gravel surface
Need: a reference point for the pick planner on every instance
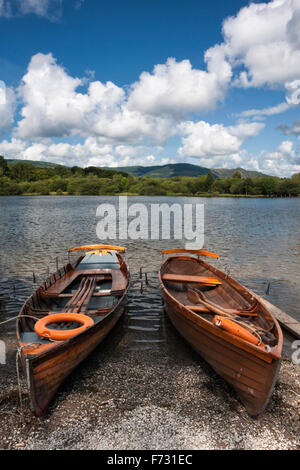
(163, 397)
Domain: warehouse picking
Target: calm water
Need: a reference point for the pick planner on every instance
(257, 239)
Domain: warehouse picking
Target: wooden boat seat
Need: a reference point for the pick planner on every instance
(191, 279)
(60, 285)
(118, 282)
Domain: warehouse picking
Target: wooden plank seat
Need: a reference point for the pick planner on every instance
(191, 279)
(62, 284)
(118, 282)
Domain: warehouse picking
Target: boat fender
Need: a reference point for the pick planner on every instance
(61, 335)
(235, 329)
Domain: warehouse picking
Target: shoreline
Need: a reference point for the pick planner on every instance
(202, 195)
(163, 398)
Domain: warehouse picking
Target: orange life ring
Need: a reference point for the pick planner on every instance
(235, 329)
(61, 335)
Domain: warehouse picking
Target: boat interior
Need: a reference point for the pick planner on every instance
(93, 286)
(203, 289)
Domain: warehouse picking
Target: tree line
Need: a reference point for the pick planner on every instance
(23, 178)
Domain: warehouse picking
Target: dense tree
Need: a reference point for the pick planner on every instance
(237, 186)
(209, 181)
(237, 174)
(25, 178)
(288, 187)
(3, 167)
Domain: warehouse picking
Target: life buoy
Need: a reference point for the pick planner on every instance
(235, 329)
(61, 335)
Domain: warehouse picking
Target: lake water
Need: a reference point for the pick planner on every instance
(257, 239)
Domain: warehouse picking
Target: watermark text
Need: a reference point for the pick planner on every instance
(152, 221)
(2, 352)
(296, 354)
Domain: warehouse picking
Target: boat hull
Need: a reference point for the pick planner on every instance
(46, 372)
(250, 370)
(251, 377)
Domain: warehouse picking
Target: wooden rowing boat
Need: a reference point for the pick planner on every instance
(197, 296)
(68, 316)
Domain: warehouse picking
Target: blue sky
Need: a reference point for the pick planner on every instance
(151, 82)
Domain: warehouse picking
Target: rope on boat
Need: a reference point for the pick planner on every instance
(250, 327)
(18, 317)
(8, 320)
(257, 331)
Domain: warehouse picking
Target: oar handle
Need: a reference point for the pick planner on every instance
(186, 250)
(122, 249)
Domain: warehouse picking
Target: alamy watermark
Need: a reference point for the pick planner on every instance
(293, 88)
(2, 93)
(2, 352)
(296, 354)
(152, 221)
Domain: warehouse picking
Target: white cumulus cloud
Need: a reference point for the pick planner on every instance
(175, 88)
(104, 124)
(201, 139)
(264, 38)
(7, 107)
(283, 161)
(53, 107)
(90, 152)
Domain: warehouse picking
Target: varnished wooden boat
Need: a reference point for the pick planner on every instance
(93, 289)
(196, 295)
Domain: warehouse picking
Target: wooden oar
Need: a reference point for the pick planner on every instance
(247, 312)
(195, 296)
(186, 250)
(190, 279)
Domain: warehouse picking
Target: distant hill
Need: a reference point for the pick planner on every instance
(162, 171)
(226, 173)
(184, 169)
(165, 171)
(34, 162)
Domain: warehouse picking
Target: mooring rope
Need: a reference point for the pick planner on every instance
(18, 317)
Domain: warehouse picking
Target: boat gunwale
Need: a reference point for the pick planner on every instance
(199, 320)
(30, 361)
(58, 345)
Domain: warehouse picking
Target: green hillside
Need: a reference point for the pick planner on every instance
(33, 162)
(184, 169)
(165, 171)
(161, 171)
(23, 178)
(228, 173)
